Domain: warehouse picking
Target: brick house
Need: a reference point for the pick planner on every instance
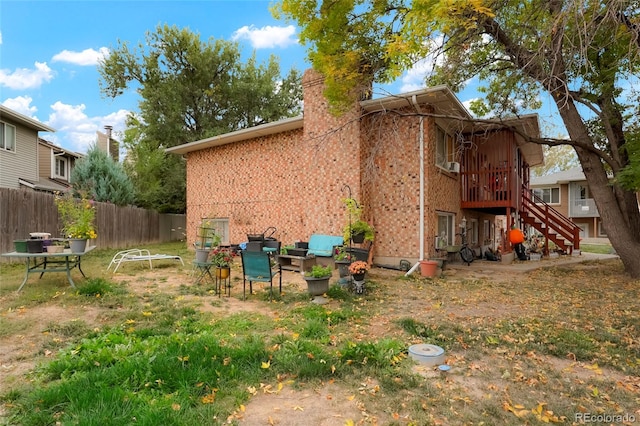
(414, 161)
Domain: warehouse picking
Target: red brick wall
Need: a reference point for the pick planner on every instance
(391, 176)
(295, 181)
(292, 181)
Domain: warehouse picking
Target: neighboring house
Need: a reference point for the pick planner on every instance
(19, 148)
(107, 144)
(55, 167)
(568, 192)
(418, 171)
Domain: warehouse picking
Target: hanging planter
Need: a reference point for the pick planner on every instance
(357, 238)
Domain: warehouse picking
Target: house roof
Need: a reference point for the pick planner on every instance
(563, 177)
(44, 184)
(57, 150)
(279, 126)
(451, 115)
(24, 120)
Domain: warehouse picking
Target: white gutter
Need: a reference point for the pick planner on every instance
(421, 159)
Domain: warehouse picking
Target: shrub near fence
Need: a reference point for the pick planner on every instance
(25, 211)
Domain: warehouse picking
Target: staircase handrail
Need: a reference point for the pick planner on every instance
(551, 217)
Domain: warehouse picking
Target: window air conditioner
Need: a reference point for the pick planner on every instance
(453, 167)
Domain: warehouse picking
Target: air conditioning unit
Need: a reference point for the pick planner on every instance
(453, 167)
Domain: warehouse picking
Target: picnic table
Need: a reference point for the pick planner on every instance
(50, 262)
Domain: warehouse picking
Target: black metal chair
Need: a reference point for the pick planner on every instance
(256, 266)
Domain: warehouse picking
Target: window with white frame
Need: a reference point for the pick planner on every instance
(61, 168)
(444, 148)
(221, 227)
(549, 195)
(472, 236)
(446, 230)
(7, 137)
(601, 231)
(486, 232)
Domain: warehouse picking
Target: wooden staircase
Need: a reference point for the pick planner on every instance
(549, 222)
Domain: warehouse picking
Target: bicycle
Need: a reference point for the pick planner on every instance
(466, 254)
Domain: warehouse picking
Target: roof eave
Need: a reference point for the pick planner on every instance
(266, 129)
(24, 120)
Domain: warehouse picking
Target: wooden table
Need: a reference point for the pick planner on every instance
(50, 262)
(296, 263)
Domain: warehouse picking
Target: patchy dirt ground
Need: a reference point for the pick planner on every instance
(326, 404)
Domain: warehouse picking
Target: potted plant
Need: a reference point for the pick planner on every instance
(358, 269)
(56, 247)
(356, 229)
(318, 281)
(222, 259)
(536, 247)
(77, 218)
(342, 258)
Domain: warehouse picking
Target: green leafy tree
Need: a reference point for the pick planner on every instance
(585, 54)
(556, 158)
(101, 178)
(189, 90)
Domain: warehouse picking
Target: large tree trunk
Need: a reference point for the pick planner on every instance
(619, 214)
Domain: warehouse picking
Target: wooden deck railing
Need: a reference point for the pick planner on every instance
(551, 223)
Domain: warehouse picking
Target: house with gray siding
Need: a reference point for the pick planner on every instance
(19, 148)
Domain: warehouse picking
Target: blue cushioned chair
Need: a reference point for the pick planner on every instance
(256, 266)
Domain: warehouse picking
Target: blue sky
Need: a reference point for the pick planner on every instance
(49, 52)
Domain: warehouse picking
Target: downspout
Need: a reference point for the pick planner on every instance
(421, 157)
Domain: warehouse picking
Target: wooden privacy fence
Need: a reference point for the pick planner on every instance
(24, 211)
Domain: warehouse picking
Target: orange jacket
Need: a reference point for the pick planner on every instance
(516, 236)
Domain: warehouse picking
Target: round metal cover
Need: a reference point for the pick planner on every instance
(427, 354)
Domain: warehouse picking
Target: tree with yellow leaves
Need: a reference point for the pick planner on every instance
(585, 54)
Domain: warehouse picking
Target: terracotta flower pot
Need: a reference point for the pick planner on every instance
(428, 268)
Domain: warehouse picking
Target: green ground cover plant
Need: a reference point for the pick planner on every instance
(147, 347)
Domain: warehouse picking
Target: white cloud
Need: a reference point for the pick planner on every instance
(0, 37)
(21, 104)
(79, 130)
(84, 58)
(24, 78)
(414, 78)
(266, 37)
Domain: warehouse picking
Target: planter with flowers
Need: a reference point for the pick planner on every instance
(342, 259)
(358, 269)
(222, 259)
(77, 217)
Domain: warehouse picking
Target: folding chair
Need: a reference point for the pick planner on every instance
(256, 266)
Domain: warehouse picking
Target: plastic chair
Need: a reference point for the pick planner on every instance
(256, 266)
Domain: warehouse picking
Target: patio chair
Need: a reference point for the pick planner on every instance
(256, 266)
(139, 255)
